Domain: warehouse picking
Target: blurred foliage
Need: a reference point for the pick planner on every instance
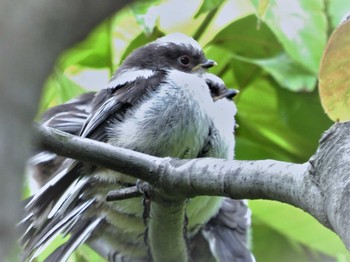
(268, 49)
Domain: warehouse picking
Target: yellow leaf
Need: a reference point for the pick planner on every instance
(334, 75)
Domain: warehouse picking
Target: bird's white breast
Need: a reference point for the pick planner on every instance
(172, 121)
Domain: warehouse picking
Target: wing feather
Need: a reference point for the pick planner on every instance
(60, 204)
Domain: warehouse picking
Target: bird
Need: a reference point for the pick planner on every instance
(161, 101)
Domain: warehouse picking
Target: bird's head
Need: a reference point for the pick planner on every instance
(172, 52)
(218, 89)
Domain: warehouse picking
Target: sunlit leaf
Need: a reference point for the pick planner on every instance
(262, 6)
(302, 113)
(275, 123)
(261, 126)
(236, 73)
(270, 246)
(334, 76)
(244, 38)
(286, 72)
(336, 10)
(147, 21)
(298, 226)
(94, 51)
(207, 6)
(301, 27)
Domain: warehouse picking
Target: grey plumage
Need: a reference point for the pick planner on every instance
(156, 103)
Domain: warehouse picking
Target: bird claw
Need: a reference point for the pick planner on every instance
(144, 188)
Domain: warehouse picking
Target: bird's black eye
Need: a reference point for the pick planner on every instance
(185, 60)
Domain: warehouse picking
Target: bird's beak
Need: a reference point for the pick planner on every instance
(207, 64)
(230, 93)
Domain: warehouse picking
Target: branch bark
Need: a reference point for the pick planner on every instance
(308, 186)
(33, 33)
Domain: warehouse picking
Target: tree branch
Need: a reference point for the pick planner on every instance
(307, 186)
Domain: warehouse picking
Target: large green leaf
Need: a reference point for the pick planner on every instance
(303, 114)
(277, 122)
(272, 246)
(286, 72)
(236, 73)
(104, 46)
(298, 226)
(244, 38)
(301, 27)
(94, 51)
(258, 47)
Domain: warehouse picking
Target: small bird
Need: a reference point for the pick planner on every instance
(162, 102)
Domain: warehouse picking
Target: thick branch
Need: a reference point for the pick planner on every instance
(330, 171)
(302, 185)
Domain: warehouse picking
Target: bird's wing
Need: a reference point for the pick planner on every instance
(58, 207)
(112, 103)
(68, 117)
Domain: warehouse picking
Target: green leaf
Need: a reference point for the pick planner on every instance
(262, 6)
(298, 226)
(94, 51)
(207, 6)
(140, 10)
(303, 114)
(336, 10)
(279, 246)
(286, 72)
(244, 38)
(260, 124)
(334, 76)
(275, 122)
(301, 27)
(235, 73)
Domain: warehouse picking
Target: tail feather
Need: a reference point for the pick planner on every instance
(227, 232)
(48, 194)
(81, 233)
(62, 224)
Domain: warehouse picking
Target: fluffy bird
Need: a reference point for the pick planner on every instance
(162, 102)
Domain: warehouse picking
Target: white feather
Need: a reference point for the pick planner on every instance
(69, 195)
(127, 76)
(82, 238)
(59, 227)
(52, 182)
